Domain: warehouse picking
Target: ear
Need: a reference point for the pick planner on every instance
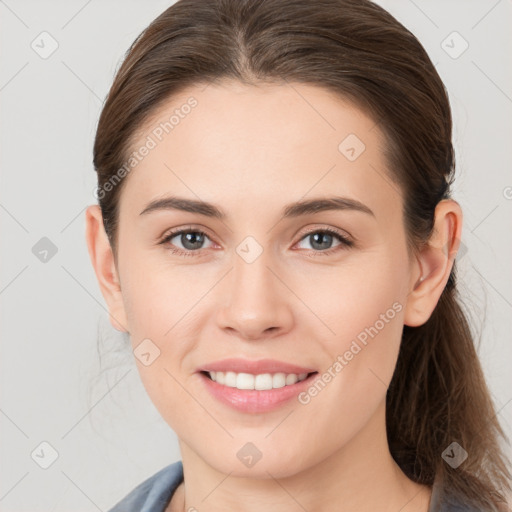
(434, 263)
(103, 262)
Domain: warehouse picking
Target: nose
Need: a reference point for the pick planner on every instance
(258, 304)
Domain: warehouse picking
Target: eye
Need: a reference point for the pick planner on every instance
(191, 241)
(322, 239)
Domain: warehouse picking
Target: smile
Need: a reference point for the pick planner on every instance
(255, 393)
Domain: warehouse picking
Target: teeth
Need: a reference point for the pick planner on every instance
(291, 379)
(260, 382)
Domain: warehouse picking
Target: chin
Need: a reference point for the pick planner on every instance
(275, 465)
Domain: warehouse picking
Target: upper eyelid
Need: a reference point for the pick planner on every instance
(179, 231)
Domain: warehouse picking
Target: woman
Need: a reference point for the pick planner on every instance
(276, 234)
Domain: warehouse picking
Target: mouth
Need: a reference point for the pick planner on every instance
(255, 386)
(255, 393)
(258, 382)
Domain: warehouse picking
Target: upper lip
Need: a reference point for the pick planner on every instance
(255, 367)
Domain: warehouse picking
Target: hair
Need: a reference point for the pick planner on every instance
(360, 52)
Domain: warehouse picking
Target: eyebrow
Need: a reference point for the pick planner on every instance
(291, 210)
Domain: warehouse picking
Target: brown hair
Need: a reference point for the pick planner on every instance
(355, 48)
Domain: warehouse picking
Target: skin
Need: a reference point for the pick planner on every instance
(251, 151)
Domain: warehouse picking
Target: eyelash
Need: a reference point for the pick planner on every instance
(346, 243)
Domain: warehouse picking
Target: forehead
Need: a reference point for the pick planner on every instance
(259, 145)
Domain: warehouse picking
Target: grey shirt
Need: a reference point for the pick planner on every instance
(154, 494)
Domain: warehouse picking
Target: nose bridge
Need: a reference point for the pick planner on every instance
(256, 298)
(251, 273)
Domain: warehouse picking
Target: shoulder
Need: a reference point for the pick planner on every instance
(154, 493)
(457, 504)
(448, 500)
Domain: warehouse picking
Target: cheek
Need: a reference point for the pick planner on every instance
(371, 317)
(154, 297)
(363, 299)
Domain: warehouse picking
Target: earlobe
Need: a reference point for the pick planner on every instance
(434, 263)
(102, 260)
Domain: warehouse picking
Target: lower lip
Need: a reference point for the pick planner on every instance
(255, 401)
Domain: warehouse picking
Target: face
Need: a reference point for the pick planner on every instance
(323, 289)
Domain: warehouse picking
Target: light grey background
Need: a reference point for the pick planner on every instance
(108, 435)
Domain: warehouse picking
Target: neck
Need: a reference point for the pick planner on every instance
(361, 475)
